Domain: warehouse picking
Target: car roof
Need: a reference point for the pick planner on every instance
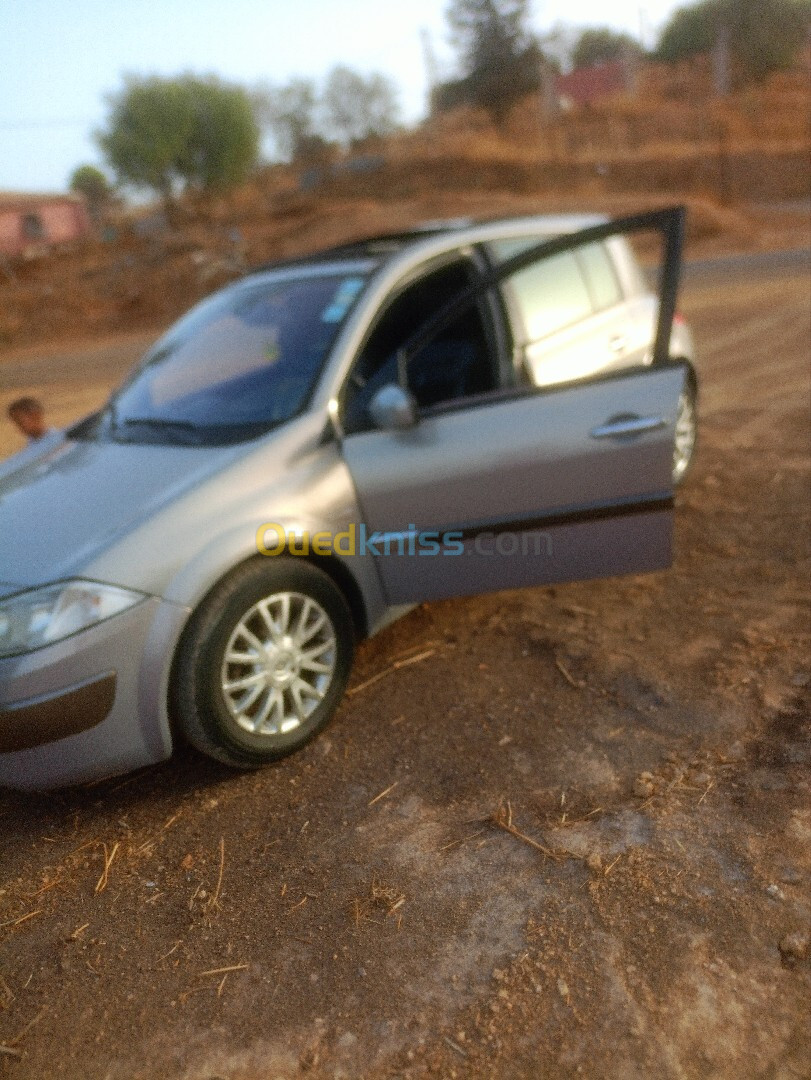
(435, 237)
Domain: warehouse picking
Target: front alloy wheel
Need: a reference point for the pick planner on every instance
(263, 663)
(278, 664)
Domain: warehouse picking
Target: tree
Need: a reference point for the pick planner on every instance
(167, 134)
(602, 45)
(224, 141)
(350, 108)
(357, 107)
(557, 45)
(763, 35)
(289, 112)
(93, 185)
(500, 60)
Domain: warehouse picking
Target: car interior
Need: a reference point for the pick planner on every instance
(458, 362)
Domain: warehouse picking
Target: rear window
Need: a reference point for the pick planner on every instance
(551, 294)
(600, 275)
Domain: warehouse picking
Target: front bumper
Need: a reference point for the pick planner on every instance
(92, 705)
(51, 717)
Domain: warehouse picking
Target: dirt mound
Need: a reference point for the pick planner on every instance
(617, 155)
(145, 281)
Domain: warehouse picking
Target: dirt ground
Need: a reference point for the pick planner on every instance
(566, 832)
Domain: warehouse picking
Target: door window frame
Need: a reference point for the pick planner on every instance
(669, 222)
(496, 324)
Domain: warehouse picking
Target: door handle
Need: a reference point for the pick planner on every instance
(621, 426)
(618, 343)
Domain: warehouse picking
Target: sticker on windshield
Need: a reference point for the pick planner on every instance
(344, 295)
(272, 348)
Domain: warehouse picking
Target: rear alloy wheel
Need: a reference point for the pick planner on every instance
(264, 662)
(685, 435)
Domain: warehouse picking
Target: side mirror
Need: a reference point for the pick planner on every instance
(393, 409)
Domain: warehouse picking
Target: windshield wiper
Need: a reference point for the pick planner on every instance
(156, 423)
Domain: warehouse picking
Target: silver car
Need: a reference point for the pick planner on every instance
(315, 448)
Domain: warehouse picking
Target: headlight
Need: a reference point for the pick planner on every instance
(39, 617)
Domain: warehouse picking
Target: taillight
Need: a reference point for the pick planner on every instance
(679, 319)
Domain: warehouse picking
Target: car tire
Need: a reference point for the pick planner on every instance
(686, 426)
(263, 662)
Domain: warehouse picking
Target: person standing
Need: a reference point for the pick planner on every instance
(28, 415)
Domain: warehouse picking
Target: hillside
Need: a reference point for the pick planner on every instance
(741, 165)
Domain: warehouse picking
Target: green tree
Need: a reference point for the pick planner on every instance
(93, 185)
(224, 143)
(167, 134)
(763, 35)
(601, 45)
(500, 60)
(356, 107)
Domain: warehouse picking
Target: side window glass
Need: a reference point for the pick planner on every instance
(459, 362)
(551, 294)
(600, 275)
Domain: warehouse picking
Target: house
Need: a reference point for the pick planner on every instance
(30, 224)
(587, 85)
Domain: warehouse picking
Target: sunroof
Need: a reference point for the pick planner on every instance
(371, 247)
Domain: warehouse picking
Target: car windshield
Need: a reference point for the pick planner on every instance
(238, 364)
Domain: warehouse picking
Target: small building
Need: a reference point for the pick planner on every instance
(585, 86)
(30, 224)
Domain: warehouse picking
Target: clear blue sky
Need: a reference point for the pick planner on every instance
(59, 58)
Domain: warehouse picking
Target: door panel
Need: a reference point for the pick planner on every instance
(518, 466)
(546, 555)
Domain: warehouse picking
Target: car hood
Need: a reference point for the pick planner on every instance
(72, 501)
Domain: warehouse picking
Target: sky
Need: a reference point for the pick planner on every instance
(60, 59)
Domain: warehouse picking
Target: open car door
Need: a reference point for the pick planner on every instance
(524, 485)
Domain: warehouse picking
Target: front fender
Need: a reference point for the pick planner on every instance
(229, 549)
